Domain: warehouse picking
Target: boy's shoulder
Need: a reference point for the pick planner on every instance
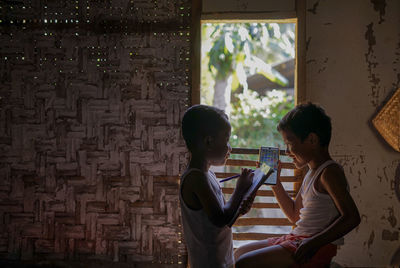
(194, 176)
(194, 184)
(194, 172)
(332, 173)
(334, 169)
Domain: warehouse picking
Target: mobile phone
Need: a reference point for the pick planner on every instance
(270, 157)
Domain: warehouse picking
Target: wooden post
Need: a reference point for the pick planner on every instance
(300, 79)
(195, 51)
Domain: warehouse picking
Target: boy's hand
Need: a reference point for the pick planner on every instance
(245, 180)
(278, 172)
(305, 251)
(246, 204)
(278, 176)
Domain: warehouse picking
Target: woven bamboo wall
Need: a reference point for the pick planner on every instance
(91, 97)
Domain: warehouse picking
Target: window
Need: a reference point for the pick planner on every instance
(247, 70)
(255, 84)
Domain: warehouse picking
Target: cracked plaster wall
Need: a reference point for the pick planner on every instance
(353, 66)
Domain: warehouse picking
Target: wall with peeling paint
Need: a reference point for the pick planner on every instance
(353, 66)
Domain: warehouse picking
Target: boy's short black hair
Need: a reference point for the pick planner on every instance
(305, 119)
(200, 121)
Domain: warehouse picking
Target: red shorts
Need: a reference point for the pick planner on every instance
(291, 242)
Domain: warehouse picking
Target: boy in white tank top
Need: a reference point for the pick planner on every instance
(323, 210)
(205, 214)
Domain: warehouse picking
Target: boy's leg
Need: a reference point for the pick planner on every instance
(273, 256)
(250, 247)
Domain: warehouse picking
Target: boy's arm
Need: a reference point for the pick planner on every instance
(290, 207)
(334, 182)
(219, 215)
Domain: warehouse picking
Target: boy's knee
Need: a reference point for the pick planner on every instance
(238, 252)
(242, 262)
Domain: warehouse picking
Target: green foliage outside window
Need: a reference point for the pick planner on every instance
(231, 52)
(254, 118)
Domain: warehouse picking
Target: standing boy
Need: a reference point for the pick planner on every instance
(205, 214)
(323, 210)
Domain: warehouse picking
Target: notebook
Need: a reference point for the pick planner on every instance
(260, 176)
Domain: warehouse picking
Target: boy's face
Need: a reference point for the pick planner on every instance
(219, 148)
(296, 149)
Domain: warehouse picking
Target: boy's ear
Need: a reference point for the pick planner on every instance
(313, 138)
(208, 140)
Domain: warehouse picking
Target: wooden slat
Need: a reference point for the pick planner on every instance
(225, 174)
(265, 205)
(251, 151)
(287, 165)
(263, 221)
(290, 179)
(254, 236)
(269, 193)
(259, 192)
(253, 163)
(244, 151)
(283, 178)
(296, 179)
(240, 162)
(248, 16)
(282, 152)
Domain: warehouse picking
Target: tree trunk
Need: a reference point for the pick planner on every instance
(222, 94)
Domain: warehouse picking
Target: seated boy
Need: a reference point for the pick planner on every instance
(323, 210)
(205, 214)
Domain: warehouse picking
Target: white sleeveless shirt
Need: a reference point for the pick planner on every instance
(319, 210)
(208, 246)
